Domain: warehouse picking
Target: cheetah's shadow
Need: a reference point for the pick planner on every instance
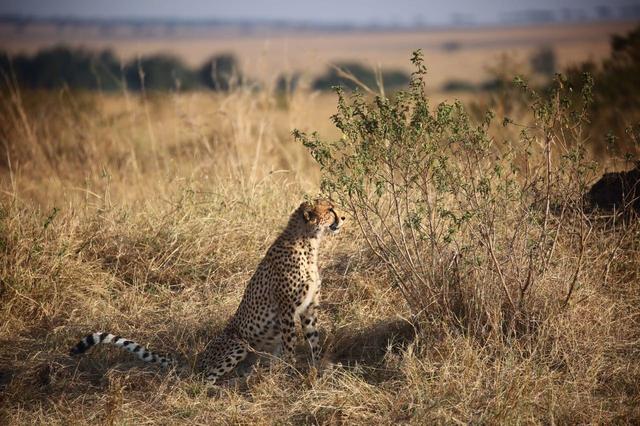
(370, 345)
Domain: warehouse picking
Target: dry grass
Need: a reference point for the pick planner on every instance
(146, 217)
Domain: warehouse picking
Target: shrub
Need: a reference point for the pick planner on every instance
(491, 85)
(458, 86)
(544, 61)
(160, 72)
(288, 83)
(467, 226)
(59, 66)
(221, 73)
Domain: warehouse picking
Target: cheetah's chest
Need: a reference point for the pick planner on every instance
(309, 288)
(307, 297)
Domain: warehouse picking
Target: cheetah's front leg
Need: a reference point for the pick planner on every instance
(308, 320)
(288, 330)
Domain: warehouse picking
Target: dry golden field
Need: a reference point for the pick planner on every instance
(145, 215)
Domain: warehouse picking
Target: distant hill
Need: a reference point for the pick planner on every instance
(172, 26)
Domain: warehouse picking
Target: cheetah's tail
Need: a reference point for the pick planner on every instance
(107, 338)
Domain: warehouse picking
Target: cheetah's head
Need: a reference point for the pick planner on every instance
(320, 215)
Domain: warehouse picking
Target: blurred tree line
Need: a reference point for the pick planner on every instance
(83, 69)
(614, 127)
(542, 64)
(617, 77)
(615, 110)
(335, 76)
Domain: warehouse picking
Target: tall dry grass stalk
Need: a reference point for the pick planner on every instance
(147, 215)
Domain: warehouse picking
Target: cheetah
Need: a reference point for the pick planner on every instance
(284, 287)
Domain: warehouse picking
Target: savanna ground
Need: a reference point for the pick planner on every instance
(145, 215)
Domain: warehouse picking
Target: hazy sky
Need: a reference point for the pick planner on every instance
(325, 11)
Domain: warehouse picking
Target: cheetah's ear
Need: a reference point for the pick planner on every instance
(310, 215)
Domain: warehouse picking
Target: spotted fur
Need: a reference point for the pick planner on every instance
(284, 288)
(107, 338)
